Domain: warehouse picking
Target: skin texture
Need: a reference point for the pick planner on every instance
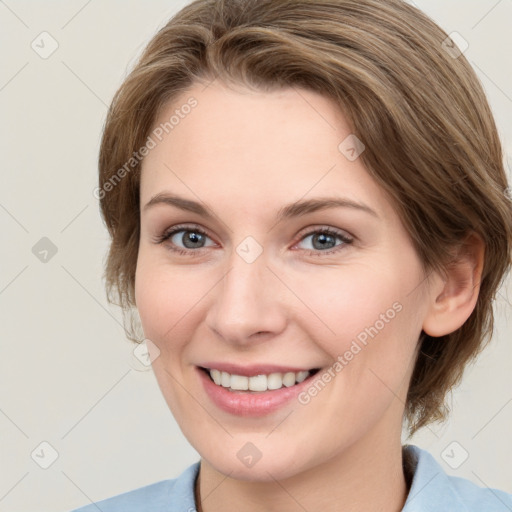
(245, 154)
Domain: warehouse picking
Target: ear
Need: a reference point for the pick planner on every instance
(454, 295)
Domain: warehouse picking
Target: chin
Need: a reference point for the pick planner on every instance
(267, 469)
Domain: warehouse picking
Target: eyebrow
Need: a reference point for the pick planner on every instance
(291, 210)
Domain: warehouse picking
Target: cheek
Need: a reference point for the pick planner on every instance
(346, 299)
(165, 303)
(365, 314)
(164, 299)
(151, 300)
(369, 326)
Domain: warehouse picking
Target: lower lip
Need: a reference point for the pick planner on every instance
(243, 403)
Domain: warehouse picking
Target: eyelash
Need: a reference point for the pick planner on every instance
(196, 229)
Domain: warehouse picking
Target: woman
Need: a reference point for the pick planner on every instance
(309, 212)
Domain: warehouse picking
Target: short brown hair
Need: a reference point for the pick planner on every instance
(430, 137)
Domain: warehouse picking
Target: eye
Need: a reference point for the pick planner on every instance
(323, 241)
(193, 239)
(188, 240)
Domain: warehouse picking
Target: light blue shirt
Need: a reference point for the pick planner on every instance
(432, 490)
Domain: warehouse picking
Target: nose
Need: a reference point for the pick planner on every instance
(248, 304)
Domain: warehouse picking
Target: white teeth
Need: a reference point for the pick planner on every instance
(216, 376)
(225, 379)
(239, 382)
(257, 382)
(302, 375)
(289, 379)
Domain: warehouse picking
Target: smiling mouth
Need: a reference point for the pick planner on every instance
(257, 383)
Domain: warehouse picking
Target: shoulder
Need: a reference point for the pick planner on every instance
(480, 498)
(153, 495)
(432, 489)
(165, 496)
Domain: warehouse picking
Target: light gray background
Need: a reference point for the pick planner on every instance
(68, 376)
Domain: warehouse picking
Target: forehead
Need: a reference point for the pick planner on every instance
(263, 147)
(229, 122)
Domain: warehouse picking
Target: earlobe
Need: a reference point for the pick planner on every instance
(454, 295)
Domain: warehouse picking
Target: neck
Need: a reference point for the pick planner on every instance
(366, 476)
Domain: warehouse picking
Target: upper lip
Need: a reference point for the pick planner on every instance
(253, 369)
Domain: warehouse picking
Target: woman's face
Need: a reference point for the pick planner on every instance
(260, 272)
